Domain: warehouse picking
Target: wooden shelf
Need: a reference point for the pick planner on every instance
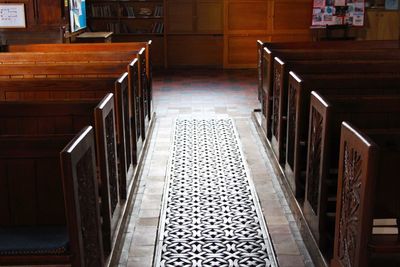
(148, 17)
(139, 34)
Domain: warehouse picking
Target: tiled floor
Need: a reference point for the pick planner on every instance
(208, 93)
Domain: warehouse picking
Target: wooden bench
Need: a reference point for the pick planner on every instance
(49, 202)
(298, 119)
(61, 70)
(280, 100)
(88, 70)
(142, 48)
(266, 50)
(67, 117)
(326, 116)
(84, 88)
(282, 63)
(367, 189)
(67, 57)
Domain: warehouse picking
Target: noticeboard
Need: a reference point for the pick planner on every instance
(12, 15)
(338, 12)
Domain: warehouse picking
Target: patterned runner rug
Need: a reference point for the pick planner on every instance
(210, 214)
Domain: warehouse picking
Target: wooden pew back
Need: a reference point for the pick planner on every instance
(66, 57)
(326, 115)
(298, 110)
(364, 159)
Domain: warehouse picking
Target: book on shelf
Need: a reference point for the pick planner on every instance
(158, 27)
(158, 11)
(130, 12)
(101, 11)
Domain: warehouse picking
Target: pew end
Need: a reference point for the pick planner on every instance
(366, 192)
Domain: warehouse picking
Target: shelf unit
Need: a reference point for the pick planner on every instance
(130, 21)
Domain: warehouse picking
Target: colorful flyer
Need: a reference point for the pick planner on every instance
(338, 12)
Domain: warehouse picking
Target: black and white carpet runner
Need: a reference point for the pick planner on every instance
(211, 215)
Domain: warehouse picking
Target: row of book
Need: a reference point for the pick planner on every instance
(158, 11)
(116, 27)
(102, 11)
(158, 27)
(129, 11)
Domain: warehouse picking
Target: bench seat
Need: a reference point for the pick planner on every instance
(34, 240)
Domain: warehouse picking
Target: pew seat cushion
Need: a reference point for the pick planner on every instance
(33, 240)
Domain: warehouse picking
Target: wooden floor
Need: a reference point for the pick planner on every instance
(208, 93)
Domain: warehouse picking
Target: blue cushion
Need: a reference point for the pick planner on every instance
(23, 240)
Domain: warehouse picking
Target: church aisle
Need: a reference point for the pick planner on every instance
(210, 214)
(199, 93)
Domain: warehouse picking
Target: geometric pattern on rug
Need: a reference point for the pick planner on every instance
(210, 214)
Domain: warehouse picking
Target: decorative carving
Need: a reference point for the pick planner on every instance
(265, 90)
(291, 124)
(314, 160)
(143, 80)
(137, 99)
(128, 147)
(88, 201)
(275, 103)
(350, 203)
(111, 157)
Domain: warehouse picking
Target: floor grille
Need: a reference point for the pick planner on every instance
(210, 214)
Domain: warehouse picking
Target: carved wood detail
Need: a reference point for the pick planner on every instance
(143, 82)
(314, 160)
(350, 204)
(291, 125)
(128, 149)
(87, 203)
(137, 123)
(275, 103)
(111, 158)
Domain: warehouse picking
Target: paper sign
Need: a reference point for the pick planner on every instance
(12, 16)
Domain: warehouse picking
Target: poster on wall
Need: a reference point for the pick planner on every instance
(77, 13)
(12, 15)
(338, 12)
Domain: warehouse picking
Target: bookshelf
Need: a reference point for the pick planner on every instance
(131, 21)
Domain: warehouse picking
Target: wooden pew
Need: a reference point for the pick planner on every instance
(58, 201)
(299, 102)
(326, 116)
(287, 60)
(143, 48)
(82, 88)
(67, 57)
(367, 189)
(266, 55)
(279, 103)
(61, 70)
(67, 117)
(90, 70)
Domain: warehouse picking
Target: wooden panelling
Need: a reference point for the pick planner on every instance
(292, 14)
(180, 16)
(382, 25)
(49, 15)
(45, 21)
(242, 50)
(246, 15)
(209, 16)
(192, 50)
